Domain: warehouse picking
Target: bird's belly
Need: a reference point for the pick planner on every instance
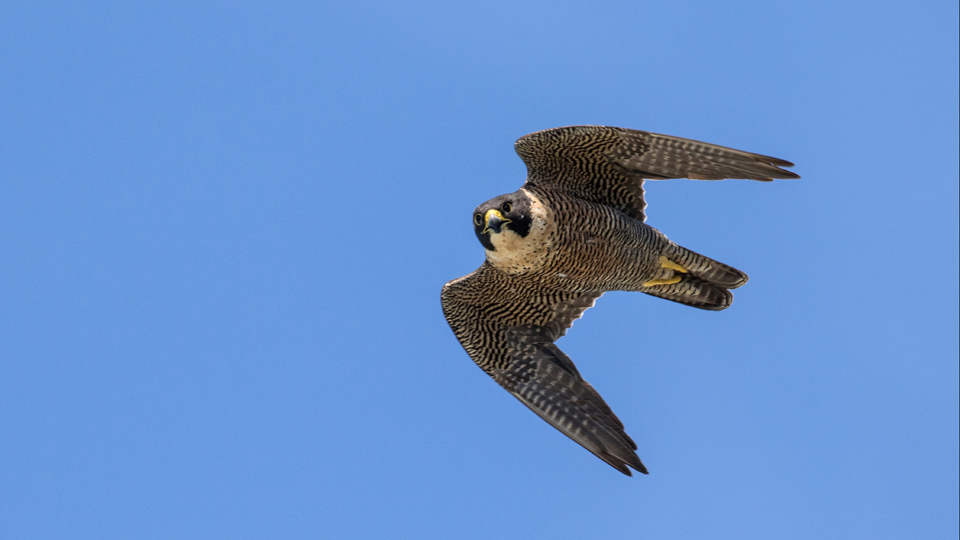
(620, 259)
(604, 271)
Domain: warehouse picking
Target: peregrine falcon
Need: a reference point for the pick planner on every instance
(572, 232)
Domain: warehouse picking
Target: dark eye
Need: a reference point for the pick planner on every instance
(506, 207)
(477, 219)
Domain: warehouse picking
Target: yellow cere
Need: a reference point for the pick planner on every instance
(487, 220)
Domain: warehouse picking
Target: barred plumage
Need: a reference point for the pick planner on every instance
(572, 232)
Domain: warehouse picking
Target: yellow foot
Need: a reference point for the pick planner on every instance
(667, 263)
(668, 281)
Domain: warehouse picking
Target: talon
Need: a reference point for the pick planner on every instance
(668, 281)
(667, 263)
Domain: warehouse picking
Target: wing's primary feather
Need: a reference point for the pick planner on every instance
(508, 327)
(608, 165)
(543, 378)
(656, 156)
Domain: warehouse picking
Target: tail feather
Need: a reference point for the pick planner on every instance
(693, 292)
(705, 285)
(708, 270)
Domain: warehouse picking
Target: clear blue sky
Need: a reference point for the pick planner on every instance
(224, 228)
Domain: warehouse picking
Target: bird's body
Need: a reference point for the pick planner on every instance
(574, 231)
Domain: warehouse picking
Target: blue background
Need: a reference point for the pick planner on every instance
(224, 228)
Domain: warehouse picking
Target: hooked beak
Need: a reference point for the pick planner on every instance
(494, 221)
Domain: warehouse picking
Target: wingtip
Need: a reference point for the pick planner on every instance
(777, 164)
(639, 466)
(625, 469)
(625, 463)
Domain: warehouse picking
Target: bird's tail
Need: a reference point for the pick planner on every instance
(697, 281)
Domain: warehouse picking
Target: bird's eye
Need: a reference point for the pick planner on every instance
(477, 219)
(506, 207)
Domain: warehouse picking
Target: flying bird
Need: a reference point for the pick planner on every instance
(575, 230)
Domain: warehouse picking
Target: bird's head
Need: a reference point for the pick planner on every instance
(502, 216)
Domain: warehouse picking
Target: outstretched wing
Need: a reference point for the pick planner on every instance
(508, 328)
(607, 165)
